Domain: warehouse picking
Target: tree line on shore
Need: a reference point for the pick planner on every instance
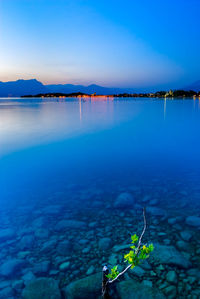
(158, 94)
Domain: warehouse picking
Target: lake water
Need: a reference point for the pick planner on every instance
(74, 177)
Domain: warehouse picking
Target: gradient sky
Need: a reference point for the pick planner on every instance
(113, 43)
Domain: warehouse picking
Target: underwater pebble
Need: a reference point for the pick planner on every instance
(4, 284)
(6, 234)
(124, 200)
(172, 277)
(18, 285)
(86, 250)
(193, 221)
(170, 291)
(182, 246)
(90, 270)
(156, 211)
(12, 267)
(186, 235)
(28, 277)
(172, 220)
(118, 248)
(6, 293)
(64, 248)
(66, 224)
(41, 268)
(104, 243)
(64, 266)
(138, 271)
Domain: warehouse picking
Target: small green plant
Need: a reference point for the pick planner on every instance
(136, 255)
(113, 273)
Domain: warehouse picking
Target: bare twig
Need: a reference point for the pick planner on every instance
(144, 229)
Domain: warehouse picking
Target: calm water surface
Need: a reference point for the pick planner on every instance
(63, 165)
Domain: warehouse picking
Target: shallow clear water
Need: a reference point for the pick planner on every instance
(63, 161)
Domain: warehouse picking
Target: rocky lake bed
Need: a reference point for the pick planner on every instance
(56, 249)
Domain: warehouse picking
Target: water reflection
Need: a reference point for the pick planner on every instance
(29, 122)
(165, 105)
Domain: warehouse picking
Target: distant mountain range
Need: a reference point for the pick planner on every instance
(20, 87)
(33, 87)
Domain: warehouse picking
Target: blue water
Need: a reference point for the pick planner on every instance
(70, 159)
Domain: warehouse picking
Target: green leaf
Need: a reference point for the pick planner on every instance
(114, 268)
(151, 247)
(133, 247)
(134, 238)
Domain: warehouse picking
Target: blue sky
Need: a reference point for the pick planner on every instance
(112, 43)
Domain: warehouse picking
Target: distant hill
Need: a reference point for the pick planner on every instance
(33, 87)
(194, 86)
(70, 88)
(21, 87)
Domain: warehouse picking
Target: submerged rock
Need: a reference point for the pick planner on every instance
(186, 235)
(28, 277)
(105, 243)
(4, 284)
(168, 255)
(42, 288)
(27, 242)
(52, 210)
(138, 271)
(134, 290)
(118, 248)
(6, 234)
(145, 265)
(124, 200)
(170, 292)
(88, 287)
(48, 246)
(17, 285)
(39, 222)
(41, 268)
(12, 267)
(113, 259)
(156, 211)
(64, 266)
(182, 246)
(193, 221)
(64, 248)
(171, 277)
(41, 233)
(194, 272)
(91, 270)
(172, 220)
(153, 202)
(6, 293)
(65, 224)
(147, 283)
